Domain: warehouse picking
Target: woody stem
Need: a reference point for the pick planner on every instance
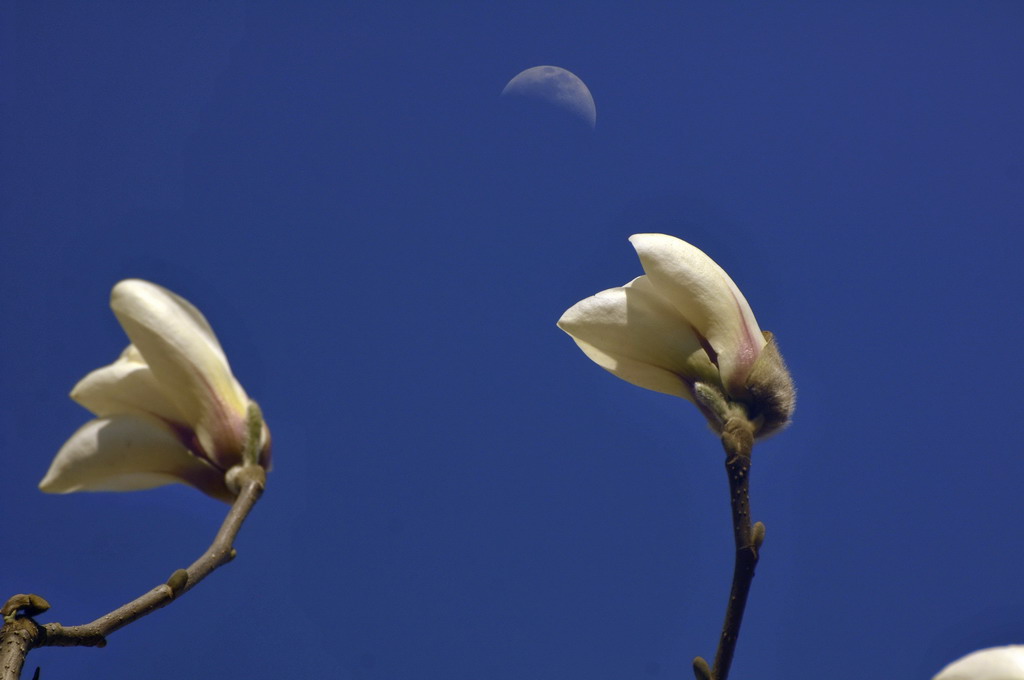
(20, 633)
(738, 442)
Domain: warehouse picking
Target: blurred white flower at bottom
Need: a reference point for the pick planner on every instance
(995, 663)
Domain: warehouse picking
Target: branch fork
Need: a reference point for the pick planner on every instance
(20, 633)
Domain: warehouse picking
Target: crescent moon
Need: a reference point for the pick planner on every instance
(556, 86)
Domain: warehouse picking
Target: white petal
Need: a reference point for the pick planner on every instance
(125, 386)
(183, 353)
(706, 296)
(995, 663)
(635, 334)
(127, 453)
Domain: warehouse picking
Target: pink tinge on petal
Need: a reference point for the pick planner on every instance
(266, 461)
(222, 432)
(125, 453)
(704, 294)
(746, 349)
(183, 353)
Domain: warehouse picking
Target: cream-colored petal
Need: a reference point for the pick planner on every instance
(125, 386)
(705, 295)
(185, 357)
(635, 334)
(995, 663)
(128, 453)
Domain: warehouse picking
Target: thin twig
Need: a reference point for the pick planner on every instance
(738, 442)
(251, 481)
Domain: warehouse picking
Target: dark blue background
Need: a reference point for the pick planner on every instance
(384, 245)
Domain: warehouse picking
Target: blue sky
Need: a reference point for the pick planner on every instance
(384, 244)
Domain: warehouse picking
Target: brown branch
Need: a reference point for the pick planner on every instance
(738, 442)
(251, 480)
(16, 638)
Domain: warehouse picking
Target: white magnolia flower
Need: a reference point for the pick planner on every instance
(681, 327)
(169, 409)
(995, 663)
